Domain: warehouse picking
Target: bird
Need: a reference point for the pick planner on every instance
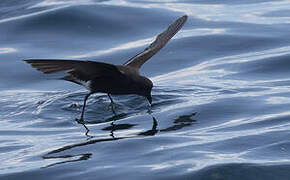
(101, 77)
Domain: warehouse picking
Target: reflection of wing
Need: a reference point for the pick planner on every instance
(161, 40)
(82, 70)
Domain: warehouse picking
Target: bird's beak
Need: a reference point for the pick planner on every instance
(149, 98)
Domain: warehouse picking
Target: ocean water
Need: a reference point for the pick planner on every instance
(221, 91)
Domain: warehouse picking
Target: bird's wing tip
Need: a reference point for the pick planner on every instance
(27, 60)
(184, 18)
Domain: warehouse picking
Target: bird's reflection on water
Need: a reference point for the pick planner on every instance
(153, 131)
(114, 127)
(79, 157)
(113, 119)
(87, 129)
(179, 123)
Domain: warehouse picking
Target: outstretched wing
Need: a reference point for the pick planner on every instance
(82, 70)
(160, 41)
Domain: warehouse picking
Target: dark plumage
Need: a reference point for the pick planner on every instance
(109, 78)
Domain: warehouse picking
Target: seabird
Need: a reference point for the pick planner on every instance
(100, 77)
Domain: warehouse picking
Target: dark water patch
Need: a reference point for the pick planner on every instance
(264, 68)
(280, 83)
(276, 151)
(242, 171)
(280, 13)
(268, 120)
(10, 148)
(180, 123)
(82, 22)
(232, 108)
(247, 146)
(118, 127)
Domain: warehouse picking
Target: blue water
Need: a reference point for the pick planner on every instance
(221, 91)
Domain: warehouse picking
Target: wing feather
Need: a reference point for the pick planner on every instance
(82, 70)
(160, 41)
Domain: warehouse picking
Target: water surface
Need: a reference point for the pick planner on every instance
(220, 98)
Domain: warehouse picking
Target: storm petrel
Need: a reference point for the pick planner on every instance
(108, 78)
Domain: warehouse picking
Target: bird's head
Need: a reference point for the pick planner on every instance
(146, 90)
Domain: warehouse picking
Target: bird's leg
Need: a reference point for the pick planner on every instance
(111, 98)
(113, 129)
(85, 101)
(112, 104)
